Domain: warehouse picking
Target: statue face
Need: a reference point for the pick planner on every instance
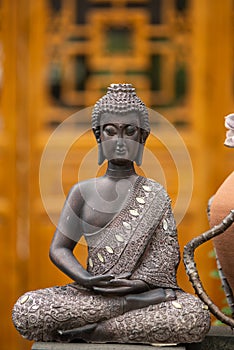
(120, 136)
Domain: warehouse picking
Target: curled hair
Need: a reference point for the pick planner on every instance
(120, 99)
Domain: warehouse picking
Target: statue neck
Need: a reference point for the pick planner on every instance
(120, 171)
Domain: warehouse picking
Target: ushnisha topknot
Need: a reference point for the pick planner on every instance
(120, 99)
(121, 88)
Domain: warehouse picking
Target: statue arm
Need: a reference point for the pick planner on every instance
(61, 254)
(66, 236)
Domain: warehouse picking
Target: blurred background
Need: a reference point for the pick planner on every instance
(56, 58)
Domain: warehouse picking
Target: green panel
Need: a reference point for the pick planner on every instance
(81, 72)
(118, 40)
(54, 80)
(76, 39)
(180, 83)
(160, 39)
(181, 5)
(155, 72)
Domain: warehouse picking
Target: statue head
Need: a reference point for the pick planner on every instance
(229, 124)
(122, 103)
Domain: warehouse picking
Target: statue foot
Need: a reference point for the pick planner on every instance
(81, 333)
(170, 294)
(89, 333)
(151, 297)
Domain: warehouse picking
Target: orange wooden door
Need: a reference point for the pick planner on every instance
(57, 58)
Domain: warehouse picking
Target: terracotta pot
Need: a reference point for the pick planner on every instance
(221, 205)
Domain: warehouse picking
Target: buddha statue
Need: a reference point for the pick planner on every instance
(128, 293)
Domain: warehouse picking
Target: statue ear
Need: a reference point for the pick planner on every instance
(139, 155)
(144, 135)
(97, 134)
(101, 156)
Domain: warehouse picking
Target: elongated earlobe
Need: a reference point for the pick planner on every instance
(139, 155)
(101, 156)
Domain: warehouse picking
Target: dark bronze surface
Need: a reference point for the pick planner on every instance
(129, 292)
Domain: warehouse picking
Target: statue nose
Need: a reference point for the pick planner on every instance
(120, 142)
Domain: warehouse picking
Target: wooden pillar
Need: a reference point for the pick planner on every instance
(11, 270)
(22, 24)
(212, 89)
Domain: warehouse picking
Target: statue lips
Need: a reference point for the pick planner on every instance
(121, 152)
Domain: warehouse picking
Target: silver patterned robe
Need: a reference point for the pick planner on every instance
(142, 240)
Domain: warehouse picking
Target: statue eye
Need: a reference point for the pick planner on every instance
(110, 130)
(130, 130)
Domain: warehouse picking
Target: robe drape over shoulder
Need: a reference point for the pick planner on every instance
(141, 239)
